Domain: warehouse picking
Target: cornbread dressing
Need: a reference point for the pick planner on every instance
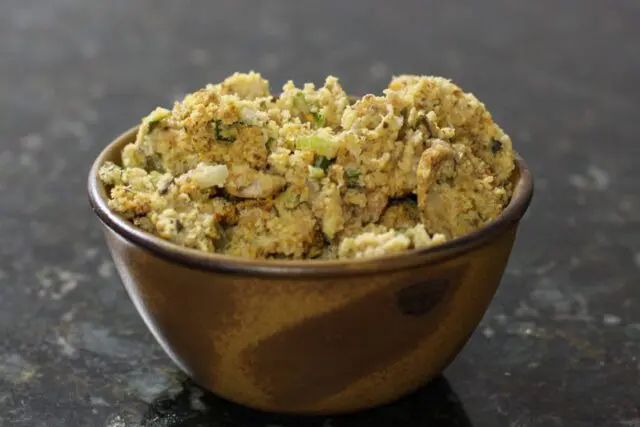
(310, 174)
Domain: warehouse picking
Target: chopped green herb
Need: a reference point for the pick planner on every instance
(270, 143)
(155, 117)
(154, 163)
(225, 133)
(427, 126)
(153, 125)
(164, 187)
(352, 176)
(352, 173)
(319, 118)
(322, 162)
(496, 146)
(220, 238)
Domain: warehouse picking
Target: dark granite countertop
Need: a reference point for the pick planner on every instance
(560, 344)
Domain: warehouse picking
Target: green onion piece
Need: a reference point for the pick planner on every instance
(319, 118)
(270, 143)
(322, 162)
(154, 163)
(352, 176)
(352, 173)
(154, 118)
(224, 133)
(496, 146)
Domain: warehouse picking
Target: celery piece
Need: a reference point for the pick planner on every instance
(322, 146)
(316, 173)
(319, 119)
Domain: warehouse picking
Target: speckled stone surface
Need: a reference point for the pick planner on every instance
(559, 346)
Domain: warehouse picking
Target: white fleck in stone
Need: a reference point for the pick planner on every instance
(516, 272)
(599, 176)
(98, 401)
(68, 316)
(105, 270)
(488, 332)
(65, 348)
(100, 341)
(500, 318)
(524, 329)
(524, 310)
(633, 422)
(32, 142)
(195, 400)
(91, 253)
(25, 160)
(15, 369)
(545, 268)
(43, 278)
(151, 385)
(578, 181)
(116, 421)
(611, 319)
(56, 283)
(65, 288)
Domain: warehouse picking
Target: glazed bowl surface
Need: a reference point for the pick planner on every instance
(312, 337)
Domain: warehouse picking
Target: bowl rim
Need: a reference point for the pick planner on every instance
(194, 258)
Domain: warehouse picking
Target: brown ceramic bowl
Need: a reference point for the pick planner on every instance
(313, 337)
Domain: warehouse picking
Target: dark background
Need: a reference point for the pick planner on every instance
(559, 346)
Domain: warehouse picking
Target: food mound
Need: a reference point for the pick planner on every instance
(313, 173)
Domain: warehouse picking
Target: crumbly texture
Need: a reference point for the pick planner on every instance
(312, 174)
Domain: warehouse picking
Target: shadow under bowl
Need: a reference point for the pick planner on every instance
(310, 337)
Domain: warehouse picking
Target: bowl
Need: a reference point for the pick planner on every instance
(310, 337)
